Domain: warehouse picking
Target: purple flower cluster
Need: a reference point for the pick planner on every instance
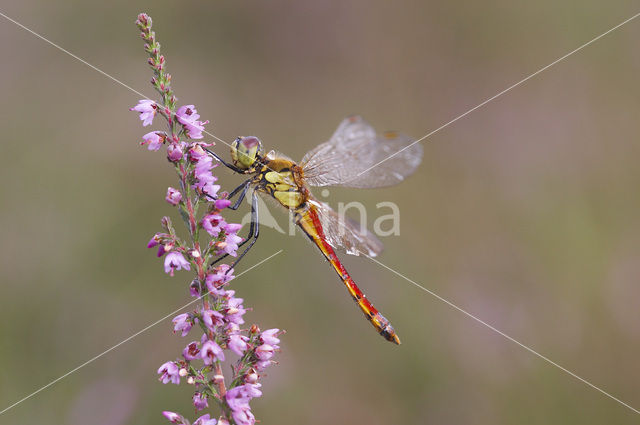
(255, 349)
(219, 313)
(222, 331)
(203, 166)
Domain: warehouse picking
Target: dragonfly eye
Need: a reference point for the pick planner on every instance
(245, 151)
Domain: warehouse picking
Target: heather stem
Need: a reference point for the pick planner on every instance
(192, 222)
(218, 375)
(221, 386)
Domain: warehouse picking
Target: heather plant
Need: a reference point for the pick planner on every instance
(220, 313)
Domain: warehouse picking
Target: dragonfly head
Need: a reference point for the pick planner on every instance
(245, 151)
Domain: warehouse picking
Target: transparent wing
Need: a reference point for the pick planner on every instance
(356, 156)
(346, 234)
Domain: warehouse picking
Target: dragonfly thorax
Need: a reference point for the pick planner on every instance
(245, 151)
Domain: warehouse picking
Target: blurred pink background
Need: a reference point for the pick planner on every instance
(524, 212)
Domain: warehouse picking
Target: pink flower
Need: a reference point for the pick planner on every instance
(213, 224)
(252, 390)
(204, 164)
(211, 319)
(232, 328)
(188, 116)
(154, 241)
(173, 196)
(265, 352)
(238, 344)
(191, 351)
(147, 109)
(162, 249)
(182, 323)
(238, 401)
(211, 352)
(215, 280)
(194, 288)
(169, 373)
(175, 151)
(243, 417)
(222, 203)
(154, 140)
(232, 228)
(235, 310)
(269, 337)
(200, 401)
(205, 420)
(251, 377)
(230, 244)
(173, 417)
(175, 261)
(163, 241)
(262, 365)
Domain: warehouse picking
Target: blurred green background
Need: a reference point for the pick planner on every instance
(524, 213)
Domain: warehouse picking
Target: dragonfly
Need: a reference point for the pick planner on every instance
(355, 156)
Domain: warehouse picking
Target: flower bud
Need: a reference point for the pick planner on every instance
(174, 152)
(251, 377)
(183, 372)
(167, 224)
(265, 352)
(153, 242)
(173, 196)
(173, 417)
(200, 401)
(194, 288)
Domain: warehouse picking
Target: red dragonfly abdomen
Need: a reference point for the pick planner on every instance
(307, 219)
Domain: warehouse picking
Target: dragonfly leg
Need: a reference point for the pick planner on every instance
(243, 191)
(223, 162)
(252, 236)
(243, 188)
(254, 230)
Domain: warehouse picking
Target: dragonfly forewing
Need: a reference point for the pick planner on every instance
(356, 156)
